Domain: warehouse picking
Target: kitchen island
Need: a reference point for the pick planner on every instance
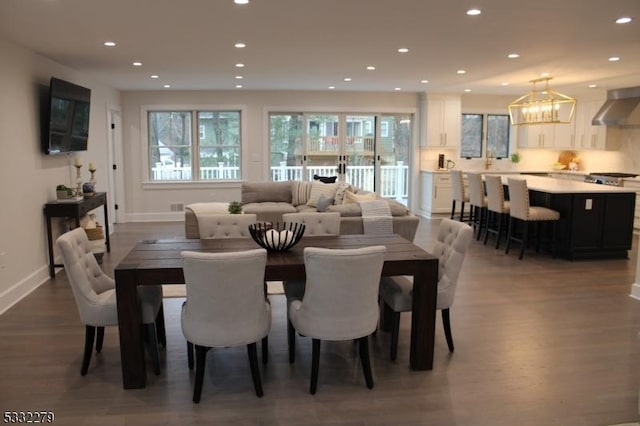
(596, 221)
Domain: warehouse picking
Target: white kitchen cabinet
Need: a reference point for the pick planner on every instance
(588, 136)
(536, 136)
(443, 121)
(564, 135)
(437, 193)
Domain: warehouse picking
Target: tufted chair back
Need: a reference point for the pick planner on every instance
(324, 223)
(450, 248)
(519, 198)
(457, 186)
(92, 288)
(476, 190)
(495, 194)
(225, 225)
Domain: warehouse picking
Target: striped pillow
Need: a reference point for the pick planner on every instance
(300, 192)
(318, 188)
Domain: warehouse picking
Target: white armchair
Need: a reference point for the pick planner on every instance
(95, 297)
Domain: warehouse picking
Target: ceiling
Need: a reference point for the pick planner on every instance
(311, 45)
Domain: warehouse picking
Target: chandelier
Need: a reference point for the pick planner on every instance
(544, 106)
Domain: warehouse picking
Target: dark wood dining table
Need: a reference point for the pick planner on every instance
(155, 262)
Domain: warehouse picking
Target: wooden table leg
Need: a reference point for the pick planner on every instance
(106, 225)
(134, 372)
(52, 267)
(423, 318)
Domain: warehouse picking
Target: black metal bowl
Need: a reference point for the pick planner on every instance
(276, 237)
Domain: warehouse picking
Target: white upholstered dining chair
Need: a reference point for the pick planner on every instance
(225, 307)
(452, 242)
(498, 208)
(340, 302)
(477, 202)
(458, 194)
(95, 296)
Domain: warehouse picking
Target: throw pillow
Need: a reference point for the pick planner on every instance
(325, 179)
(317, 189)
(342, 188)
(323, 203)
(300, 192)
(350, 197)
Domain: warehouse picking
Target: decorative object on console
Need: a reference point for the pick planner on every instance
(542, 106)
(235, 207)
(78, 165)
(63, 192)
(276, 237)
(87, 189)
(92, 170)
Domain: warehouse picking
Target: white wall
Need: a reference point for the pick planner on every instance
(28, 177)
(151, 201)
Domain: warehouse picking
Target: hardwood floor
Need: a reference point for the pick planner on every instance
(538, 342)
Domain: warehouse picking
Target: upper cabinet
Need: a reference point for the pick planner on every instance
(443, 121)
(588, 136)
(536, 136)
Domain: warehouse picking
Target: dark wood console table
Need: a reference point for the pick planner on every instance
(75, 210)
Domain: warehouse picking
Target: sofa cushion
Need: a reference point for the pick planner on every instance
(257, 192)
(350, 197)
(318, 188)
(300, 192)
(353, 209)
(268, 207)
(323, 203)
(343, 187)
(303, 208)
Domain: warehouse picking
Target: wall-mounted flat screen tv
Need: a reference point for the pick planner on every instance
(67, 119)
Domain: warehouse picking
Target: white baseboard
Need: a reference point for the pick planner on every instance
(155, 217)
(23, 288)
(635, 291)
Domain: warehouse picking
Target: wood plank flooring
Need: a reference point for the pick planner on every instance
(538, 342)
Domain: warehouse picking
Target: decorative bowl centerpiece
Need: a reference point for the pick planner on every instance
(276, 237)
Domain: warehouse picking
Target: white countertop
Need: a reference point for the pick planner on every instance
(565, 186)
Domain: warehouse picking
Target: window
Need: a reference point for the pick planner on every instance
(384, 129)
(475, 141)
(174, 154)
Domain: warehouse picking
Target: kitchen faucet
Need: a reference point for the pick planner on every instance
(489, 160)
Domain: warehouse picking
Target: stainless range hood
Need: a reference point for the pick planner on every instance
(620, 109)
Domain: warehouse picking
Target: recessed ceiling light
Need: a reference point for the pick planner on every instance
(332, 87)
(544, 74)
(137, 64)
(239, 65)
(474, 12)
(614, 59)
(513, 55)
(241, 1)
(424, 81)
(624, 20)
(504, 83)
(239, 77)
(467, 90)
(371, 68)
(240, 45)
(403, 50)
(347, 79)
(397, 89)
(166, 86)
(592, 86)
(155, 76)
(461, 72)
(109, 43)
(238, 86)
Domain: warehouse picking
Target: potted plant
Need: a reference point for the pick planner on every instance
(63, 192)
(235, 207)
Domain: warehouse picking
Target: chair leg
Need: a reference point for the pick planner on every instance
(453, 209)
(499, 225)
(160, 329)
(554, 231)
(255, 371)
(525, 239)
(462, 211)
(366, 362)
(153, 347)
(201, 358)
(509, 234)
(89, 335)
(447, 329)
(395, 331)
(265, 349)
(315, 365)
(291, 337)
(99, 338)
(486, 230)
(190, 355)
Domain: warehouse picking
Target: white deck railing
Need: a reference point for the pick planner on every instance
(393, 179)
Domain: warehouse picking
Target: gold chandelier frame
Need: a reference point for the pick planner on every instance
(544, 106)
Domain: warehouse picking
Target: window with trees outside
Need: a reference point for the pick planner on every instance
(476, 143)
(176, 155)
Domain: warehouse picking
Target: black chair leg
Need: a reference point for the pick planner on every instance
(447, 329)
(153, 347)
(201, 358)
(395, 331)
(486, 231)
(315, 365)
(525, 239)
(509, 234)
(252, 350)
(190, 355)
(90, 333)
(554, 245)
(265, 349)
(160, 329)
(366, 362)
(291, 338)
(99, 338)
(499, 235)
(453, 209)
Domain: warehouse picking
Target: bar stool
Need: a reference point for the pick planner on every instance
(478, 202)
(523, 211)
(497, 208)
(458, 194)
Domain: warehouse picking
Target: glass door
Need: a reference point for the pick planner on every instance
(359, 161)
(393, 156)
(323, 148)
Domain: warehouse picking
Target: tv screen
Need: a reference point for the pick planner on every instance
(67, 118)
